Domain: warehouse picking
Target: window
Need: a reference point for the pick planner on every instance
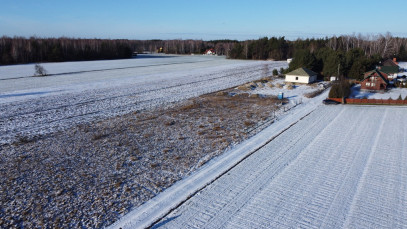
(367, 84)
(296, 78)
(373, 84)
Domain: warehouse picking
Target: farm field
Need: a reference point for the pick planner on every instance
(79, 92)
(338, 167)
(72, 159)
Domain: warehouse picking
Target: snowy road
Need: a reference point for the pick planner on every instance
(338, 167)
(78, 92)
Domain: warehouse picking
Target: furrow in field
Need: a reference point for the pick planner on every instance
(255, 173)
(49, 114)
(339, 167)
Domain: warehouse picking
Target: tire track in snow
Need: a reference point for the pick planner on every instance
(382, 195)
(251, 180)
(362, 179)
(327, 185)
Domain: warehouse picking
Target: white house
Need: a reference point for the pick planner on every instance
(209, 52)
(301, 75)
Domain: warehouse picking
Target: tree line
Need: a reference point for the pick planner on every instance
(19, 50)
(348, 55)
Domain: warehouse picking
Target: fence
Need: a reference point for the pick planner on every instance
(372, 101)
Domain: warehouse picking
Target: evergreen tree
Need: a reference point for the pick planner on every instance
(303, 58)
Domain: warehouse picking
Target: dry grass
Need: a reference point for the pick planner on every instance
(313, 94)
(222, 93)
(270, 85)
(112, 159)
(190, 106)
(244, 88)
(248, 123)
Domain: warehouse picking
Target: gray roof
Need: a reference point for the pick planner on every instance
(302, 72)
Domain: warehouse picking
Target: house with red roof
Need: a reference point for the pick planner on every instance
(375, 80)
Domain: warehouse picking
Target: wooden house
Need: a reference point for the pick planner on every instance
(374, 80)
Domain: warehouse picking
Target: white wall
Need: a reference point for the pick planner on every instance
(301, 79)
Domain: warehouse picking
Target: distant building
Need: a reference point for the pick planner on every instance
(289, 60)
(391, 71)
(209, 52)
(160, 50)
(374, 80)
(333, 78)
(390, 67)
(301, 75)
(390, 62)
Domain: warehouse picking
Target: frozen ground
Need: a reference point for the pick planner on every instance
(393, 93)
(338, 167)
(79, 92)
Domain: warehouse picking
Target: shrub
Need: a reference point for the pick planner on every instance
(340, 89)
(399, 98)
(39, 70)
(313, 94)
(275, 72)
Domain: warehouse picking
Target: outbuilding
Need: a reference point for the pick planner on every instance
(301, 75)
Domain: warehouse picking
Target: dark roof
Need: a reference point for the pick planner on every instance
(389, 62)
(372, 73)
(389, 69)
(302, 72)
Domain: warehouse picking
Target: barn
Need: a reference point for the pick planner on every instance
(375, 80)
(301, 75)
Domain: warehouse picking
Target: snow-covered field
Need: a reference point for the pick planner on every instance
(78, 92)
(338, 167)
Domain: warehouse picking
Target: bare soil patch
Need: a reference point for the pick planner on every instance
(90, 175)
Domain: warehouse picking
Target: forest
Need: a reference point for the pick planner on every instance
(347, 55)
(20, 50)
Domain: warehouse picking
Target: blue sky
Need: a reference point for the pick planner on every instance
(210, 19)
